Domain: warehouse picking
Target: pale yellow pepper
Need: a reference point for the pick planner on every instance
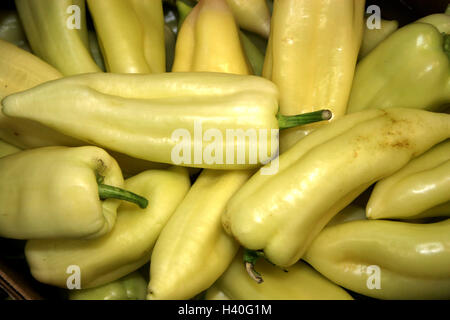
(299, 282)
(324, 172)
(386, 259)
(311, 57)
(420, 189)
(123, 250)
(57, 33)
(209, 41)
(193, 250)
(131, 34)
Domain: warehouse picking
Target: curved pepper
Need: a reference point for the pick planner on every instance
(299, 282)
(193, 250)
(323, 173)
(386, 259)
(409, 69)
(373, 37)
(11, 29)
(53, 192)
(418, 190)
(126, 247)
(209, 41)
(159, 117)
(46, 24)
(131, 34)
(21, 70)
(311, 57)
(7, 149)
(131, 287)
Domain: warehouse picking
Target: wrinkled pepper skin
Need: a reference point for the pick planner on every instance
(53, 193)
(193, 250)
(7, 149)
(209, 41)
(323, 173)
(131, 34)
(300, 282)
(311, 57)
(146, 110)
(46, 26)
(21, 70)
(130, 287)
(123, 250)
(413, 259)
(11, 29)
(409, 69)
(418, 190)
(373, 37)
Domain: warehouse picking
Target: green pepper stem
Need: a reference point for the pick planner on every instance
(447, 44)
(286, 122)
(107, 192)
(250, 258)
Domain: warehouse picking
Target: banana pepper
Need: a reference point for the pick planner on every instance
(193, 250)
(131, 287)
(209, 41)
(165, 117)
(311, 57)
(409, 69)
(386, 259)
(281, 214)
(131, 34)
(299, 282)
(21, 70)
(57, 33)
(125, 248)
(418, 190)
(60, 192)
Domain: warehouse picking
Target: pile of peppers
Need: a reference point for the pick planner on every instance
(349, 196)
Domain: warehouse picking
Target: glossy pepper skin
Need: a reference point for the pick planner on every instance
(131, 34)
(418, 190)
(323, 173)
(131, 287)
(193, 250)
(409, 69)
(209, 41)
(311, 57)
(300, 282)
(126, 247)
(46, 24)
(413, 259)
(52, 192)
(137, 115)
(373, 37)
